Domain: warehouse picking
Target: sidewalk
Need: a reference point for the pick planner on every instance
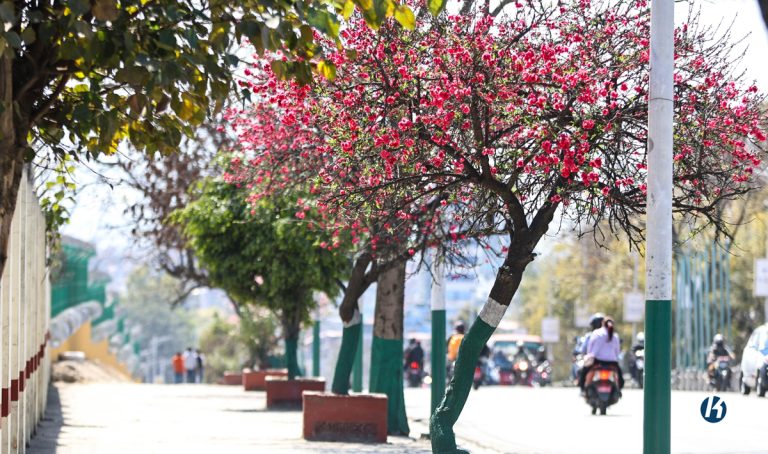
(131, 418)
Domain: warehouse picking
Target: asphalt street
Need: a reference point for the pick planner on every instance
(132, 418)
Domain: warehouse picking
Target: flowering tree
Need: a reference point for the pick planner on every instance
(514, 119)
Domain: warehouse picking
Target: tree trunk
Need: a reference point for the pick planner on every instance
(387, 347)
(291, 327)
(506, 284)
(11, 158)
(351, 319)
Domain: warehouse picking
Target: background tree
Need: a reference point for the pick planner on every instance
(262, 254)
(147, 302)
(521, 121)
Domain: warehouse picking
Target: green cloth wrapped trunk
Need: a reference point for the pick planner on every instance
(447, 413)
(350, 339)
(387, 378)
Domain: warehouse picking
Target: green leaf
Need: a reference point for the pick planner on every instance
(79, 7)
(134, 75)
(327, 69)
(7, 15)
(13, 39)
(405, 16)
(436, 6)
(105, 10)
(28, 35)
(348, 9)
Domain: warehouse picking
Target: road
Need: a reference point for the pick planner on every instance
(556, 421)
(131, 418)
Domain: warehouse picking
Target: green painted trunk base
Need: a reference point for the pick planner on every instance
(316, 349)
(387, 378)
(438, 358)
(350, 339)
(357, 367)
(658, 365)
(291, 359)
(447, 413)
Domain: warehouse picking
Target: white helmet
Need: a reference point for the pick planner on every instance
(640, 337)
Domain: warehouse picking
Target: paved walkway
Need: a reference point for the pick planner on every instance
(169, 419)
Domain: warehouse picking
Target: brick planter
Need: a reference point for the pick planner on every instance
(284, 393)
(355, 418)
(233, 378)
(254, 380)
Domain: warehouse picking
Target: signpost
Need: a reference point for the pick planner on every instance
(550, 330)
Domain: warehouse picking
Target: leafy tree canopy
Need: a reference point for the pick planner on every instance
(261, 254)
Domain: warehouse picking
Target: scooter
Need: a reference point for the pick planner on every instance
(602, 388)
(639, 367)
(542, 375)
(521, 372)
(414, 375)
(722, 378)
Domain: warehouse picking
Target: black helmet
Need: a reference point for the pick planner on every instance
(596, 321)
(459, 327)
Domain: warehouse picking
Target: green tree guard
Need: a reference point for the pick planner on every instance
(350, 339)
(447, 413)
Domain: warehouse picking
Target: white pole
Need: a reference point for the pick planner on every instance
(656, 431)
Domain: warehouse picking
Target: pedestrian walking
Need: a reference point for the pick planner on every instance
(200, 366)
(190, 364)
(178, 368)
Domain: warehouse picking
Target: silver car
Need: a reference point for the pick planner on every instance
(754, 362)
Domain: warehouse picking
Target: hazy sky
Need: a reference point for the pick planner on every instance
(99, 215)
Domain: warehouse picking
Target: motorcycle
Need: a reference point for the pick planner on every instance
(721, 380)
(521, 372)
(414, 375)
(542, 375)
(639, 368)
(602, 388)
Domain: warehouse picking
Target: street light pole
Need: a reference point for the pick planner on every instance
(658, 306)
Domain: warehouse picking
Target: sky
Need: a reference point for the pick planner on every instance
(99, 216)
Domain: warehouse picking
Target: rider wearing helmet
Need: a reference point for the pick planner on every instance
(717, 349)
(595, 322)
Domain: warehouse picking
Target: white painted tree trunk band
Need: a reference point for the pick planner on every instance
(355, 320)
(492, 312)
(437, 297)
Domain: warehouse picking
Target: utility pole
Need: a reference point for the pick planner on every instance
(437, 301)
(658, 306)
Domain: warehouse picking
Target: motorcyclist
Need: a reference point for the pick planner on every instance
(636, 347)
(454, 342)
(605, 347)
(716, 350)
(595, 322)
(414, 353)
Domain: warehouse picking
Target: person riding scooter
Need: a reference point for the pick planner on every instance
(604, 347)
(716, 350)
(632, 360)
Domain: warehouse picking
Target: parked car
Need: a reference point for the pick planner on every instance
(754, 363)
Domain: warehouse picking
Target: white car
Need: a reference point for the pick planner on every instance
(754, 362)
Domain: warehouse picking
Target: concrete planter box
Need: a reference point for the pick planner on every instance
(284, 393)
(355, 418)
(255, 380)
(233, 378)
